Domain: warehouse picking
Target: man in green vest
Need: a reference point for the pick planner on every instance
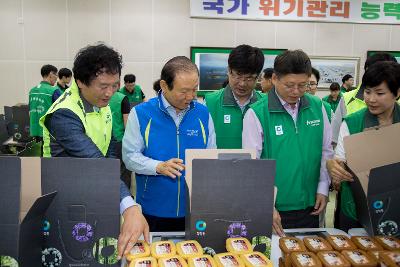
(40, 99)
(64, 79)
(132, 90)
(354, 100)
(120, 108)
(228, 105)
(293, 128)
(334, 97)
(348, 82)
(79, 124)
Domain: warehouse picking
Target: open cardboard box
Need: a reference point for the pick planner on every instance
(231, 195)
(22, 211)
(374, 158)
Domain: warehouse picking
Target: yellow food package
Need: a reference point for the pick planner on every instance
(174, 261)
(228, 260)
(140, 250)
(388, 242)
(162, 249)
(189, 248)
(201, 261)
(255, 259)
(144, 262)
(238, 245)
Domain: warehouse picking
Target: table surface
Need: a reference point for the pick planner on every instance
(275, 250)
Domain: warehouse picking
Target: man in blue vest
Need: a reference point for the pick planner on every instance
(155, 139)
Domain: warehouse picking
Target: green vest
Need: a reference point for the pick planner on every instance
(328, 110)
(354, 100)
(134, 97)
(228, 117)
(296, 147)
(98, 125)
(40, 100)
(334, 104)
(118, 119)
(357, 122)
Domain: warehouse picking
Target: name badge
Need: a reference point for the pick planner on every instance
(227, 118)
(278, 130)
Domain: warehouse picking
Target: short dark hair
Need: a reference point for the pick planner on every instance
(377, 57)
(334, 86)
(292, 62)
(384, 71)
(46, 69)
(94, 60)
(267, 73)
(64, 72)
(174, 66)
(130, 78)
(346, 78)
(246, 59)
(316, 73)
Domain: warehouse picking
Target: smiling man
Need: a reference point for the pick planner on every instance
(79, 124)
(156, 136)
(293, 128)
(228, 105)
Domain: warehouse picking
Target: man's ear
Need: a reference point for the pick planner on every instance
(164, 85)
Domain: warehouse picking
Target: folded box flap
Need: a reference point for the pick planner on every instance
(372, 149)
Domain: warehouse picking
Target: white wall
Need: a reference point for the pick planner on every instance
(149, 32)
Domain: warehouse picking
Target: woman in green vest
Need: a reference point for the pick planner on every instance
(381, 89)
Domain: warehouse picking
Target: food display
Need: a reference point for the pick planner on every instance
(144, 262)
(238, 245)
(174, 261)
(189, 248)
(304, 259)
(388, 242)
(201, 261)
(163, 249)
(366, 243)
(333, 258)
(316, 244)
(228, 260)
(359, 258)
(340, 242)
(256, 259)
(140, 250)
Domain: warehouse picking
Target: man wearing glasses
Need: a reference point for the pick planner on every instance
(293, 128)
(228, 105)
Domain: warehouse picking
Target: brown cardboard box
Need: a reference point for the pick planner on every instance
(374, 158)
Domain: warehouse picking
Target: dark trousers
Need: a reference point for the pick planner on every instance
(160, 224)
(343, 222)
(299, 219)
(126, 175)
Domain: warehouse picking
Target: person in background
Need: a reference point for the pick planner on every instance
(228, 105)
(132, 90)
(79, 124)
(292, 127)
(347, 84)
(334, 97)
(64, 79)
(155, 139)
(41, 97)
(266, 80)
(120, 109)
(381, 88)
(313, 82)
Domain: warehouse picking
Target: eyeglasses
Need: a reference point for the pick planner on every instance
(242, 77)
(312, 84)
(300, 87)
